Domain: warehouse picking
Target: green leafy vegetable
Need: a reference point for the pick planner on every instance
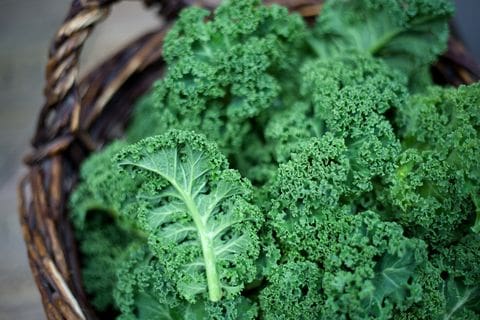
(199, 207)
(294, 292)
(406, 34)
(222, 75)
(286, 171)
(436, 185)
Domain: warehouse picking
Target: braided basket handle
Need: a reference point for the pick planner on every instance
(59, 119)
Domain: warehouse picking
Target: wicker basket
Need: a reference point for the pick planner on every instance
(81, 116)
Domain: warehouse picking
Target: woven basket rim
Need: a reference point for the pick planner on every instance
(81, 116)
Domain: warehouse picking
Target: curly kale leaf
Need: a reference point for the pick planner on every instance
(408, 35)
(344, 97)
(368, 264)
(222, 72)
(196, 212)
(429, 199)
(449, 283)
(293, 292)
(142, 289)
(436, 185)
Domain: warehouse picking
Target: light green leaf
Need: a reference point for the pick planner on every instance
(200, 217)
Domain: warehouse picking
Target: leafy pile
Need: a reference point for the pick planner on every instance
(279, 171)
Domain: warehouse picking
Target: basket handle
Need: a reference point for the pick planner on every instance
(59, 118)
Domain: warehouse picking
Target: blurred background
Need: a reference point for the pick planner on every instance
(26, 28)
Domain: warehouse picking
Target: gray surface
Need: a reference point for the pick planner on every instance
(468, 22)
(26, 27)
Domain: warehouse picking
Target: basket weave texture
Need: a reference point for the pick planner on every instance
(80, 116)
